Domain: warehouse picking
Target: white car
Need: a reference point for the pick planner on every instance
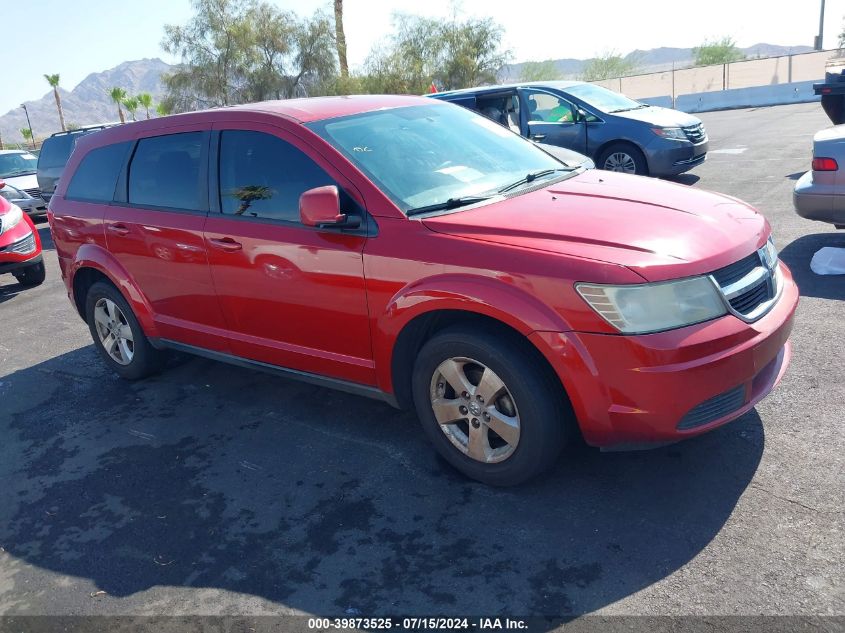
(18, 168)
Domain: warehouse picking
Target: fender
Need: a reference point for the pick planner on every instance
(98, 258)
(468, 293)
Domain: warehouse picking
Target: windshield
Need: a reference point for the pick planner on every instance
(17, 164)
(427, 155)
(603, 99)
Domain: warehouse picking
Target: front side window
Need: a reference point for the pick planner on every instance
(262, 176)
(548, 108)
(428, 154)
(96, 176)
(165, 172)
(17, 164)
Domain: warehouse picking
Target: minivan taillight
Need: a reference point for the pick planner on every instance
(825, 164)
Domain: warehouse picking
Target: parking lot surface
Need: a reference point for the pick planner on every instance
(211, 489)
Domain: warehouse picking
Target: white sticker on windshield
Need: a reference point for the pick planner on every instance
(461, 172)
(32, 156)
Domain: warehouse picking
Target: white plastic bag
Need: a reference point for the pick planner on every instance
(829, 261)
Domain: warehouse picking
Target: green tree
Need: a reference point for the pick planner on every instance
(609, 65)
(27, 136)
(164, 107)
(53, 80)
(118, 95)
(539, 71)
(721, 51)
(145, 99)
(131, 105)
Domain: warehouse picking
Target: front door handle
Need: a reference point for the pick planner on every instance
(538, 137)
(225, 244)
(120, 229)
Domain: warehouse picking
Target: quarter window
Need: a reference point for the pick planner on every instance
(165, 172)
(262, 176)
(96, 176)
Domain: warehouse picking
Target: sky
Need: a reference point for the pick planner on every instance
(77, 37)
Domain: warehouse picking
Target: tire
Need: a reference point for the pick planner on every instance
(621, 157)
(31, 275)
(129, 353)
(529, 396)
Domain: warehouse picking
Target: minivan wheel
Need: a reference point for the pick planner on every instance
(624, 158)
(490, 409)
(31, 275)
(117, 334)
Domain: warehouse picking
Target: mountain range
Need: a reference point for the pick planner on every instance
(89, 101)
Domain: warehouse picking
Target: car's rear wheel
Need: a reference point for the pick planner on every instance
(489, 407)
(31, 275)
(118, 335)
(623, 158)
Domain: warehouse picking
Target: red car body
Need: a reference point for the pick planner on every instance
(20, 246)
(219, 286)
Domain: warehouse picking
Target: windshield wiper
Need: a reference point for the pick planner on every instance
(534, 175)
(636, 107)
(451, 203)
(20, 172)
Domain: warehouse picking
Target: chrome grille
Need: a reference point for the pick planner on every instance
(750, 286)
(713, 409)
(21, 247)
(695, 133)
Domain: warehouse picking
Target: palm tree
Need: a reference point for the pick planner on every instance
(27, 136)
(118, 95)
(164, 108)
(53, 80)
(340, 38)
(146, 101)
(131, 105)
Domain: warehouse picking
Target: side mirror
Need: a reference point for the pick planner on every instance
(582, 114)
(320, 207)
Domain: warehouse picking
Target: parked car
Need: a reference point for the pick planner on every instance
(620, 134)
(20, 246)
(17, 169)
(416, 252)
(54, 155)
(820, 193)
(31, 206)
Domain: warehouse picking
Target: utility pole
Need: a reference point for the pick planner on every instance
(29, 123)
(818, 42)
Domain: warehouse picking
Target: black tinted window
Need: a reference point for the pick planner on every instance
(165, 172)
(263, 176)
(56, 150)
(96, 176)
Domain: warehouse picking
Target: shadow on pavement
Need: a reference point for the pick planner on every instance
(795, 176)
(684, 179)
(213, 476)
(797, 256)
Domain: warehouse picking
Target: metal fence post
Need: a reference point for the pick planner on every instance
(789, 72)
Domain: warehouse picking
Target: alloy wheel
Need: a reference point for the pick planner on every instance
(621, 162)
(114, 331)
(475, 409)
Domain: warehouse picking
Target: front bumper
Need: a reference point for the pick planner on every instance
(816, 201)
(20, 247)
(657, 388)
(670, 158)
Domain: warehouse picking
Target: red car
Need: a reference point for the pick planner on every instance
(20, 246)
(416, 252)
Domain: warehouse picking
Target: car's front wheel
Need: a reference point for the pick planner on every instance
(489, 407)
(624, 158)
(118, 335)
(31, 275)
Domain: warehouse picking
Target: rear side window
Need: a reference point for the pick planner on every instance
(263, 176)
(165, 172)
(96, 176)
(56, 150)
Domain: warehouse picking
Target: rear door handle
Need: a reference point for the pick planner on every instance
(225, 244)
(120, 229)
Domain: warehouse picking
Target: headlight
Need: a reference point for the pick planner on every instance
(10, 218)
(674, 133)
(646, 308)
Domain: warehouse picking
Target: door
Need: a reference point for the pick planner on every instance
(291, 295)
(553, 120)
(154, 229)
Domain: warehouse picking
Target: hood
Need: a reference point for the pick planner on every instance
(30, 181)
(660, 117)
(660, 230)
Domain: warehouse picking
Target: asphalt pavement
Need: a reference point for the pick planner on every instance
(211, 489)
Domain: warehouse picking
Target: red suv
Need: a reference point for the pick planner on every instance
(413, 251)
(20, 246)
